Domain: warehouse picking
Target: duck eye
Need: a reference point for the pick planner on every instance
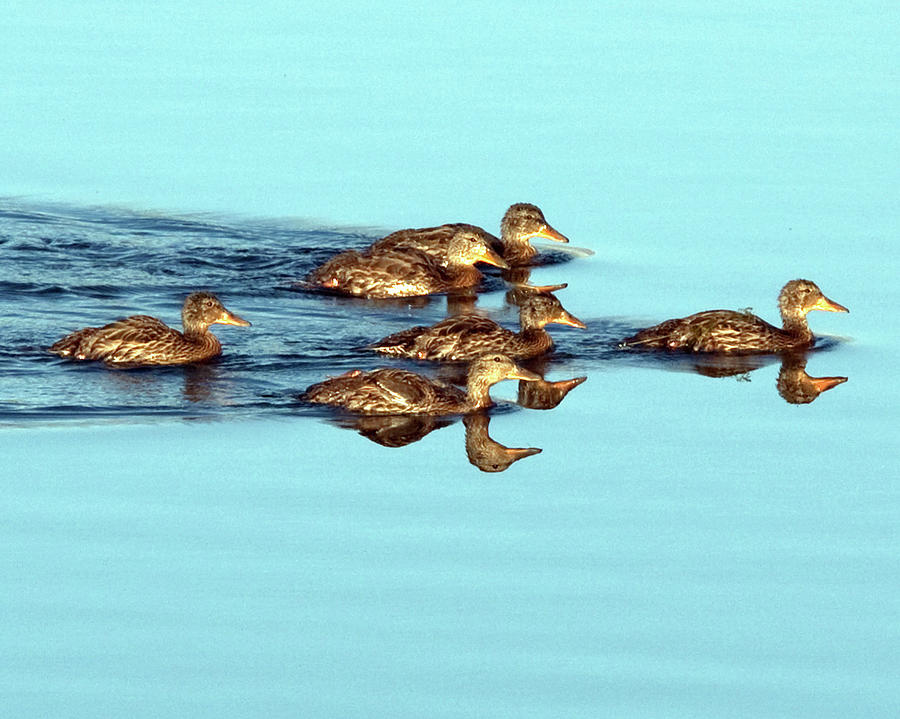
(496, 359)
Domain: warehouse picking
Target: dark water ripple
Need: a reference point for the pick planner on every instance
(62, 268)
(69, 267)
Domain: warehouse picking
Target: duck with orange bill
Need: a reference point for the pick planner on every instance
(409, 272)
(399, 391)
(520, 224)
(729, 331)
(467, 336)
(143, 340)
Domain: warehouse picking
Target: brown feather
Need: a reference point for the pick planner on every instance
(144, 340)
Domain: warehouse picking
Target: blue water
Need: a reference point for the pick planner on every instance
(195, 542)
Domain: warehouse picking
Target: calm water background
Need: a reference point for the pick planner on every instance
(194, 542)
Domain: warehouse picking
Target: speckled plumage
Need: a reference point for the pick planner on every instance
(144, 340)
(467, 336)
(729, 331)
(520, 223)
(385, 273)
(399, 391)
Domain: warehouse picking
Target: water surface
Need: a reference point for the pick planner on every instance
(195, 542)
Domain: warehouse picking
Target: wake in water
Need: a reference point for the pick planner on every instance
(65, 268)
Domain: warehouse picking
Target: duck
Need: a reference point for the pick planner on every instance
(520, 223)
(141, 340)
(727, 331)
(383, 273)
(399, 391)
(467, 336)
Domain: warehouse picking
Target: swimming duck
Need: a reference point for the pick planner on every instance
(407, 273)
(398, 391)
(465, 337)
(730, 331)
(144, 340)
(521, 222)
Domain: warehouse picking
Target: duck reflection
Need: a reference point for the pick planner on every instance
(794, 384)
(796, 387)
(486, 453)
(544, 394)
(200, 383)
(393, 430)
(401, 430)
(520, 287)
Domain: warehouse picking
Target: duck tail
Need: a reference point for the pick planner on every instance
(401, 344)
(71, 343)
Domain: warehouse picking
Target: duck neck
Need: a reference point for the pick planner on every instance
(462, 274)
(195, 332)
(795, 324)
(478, 391)
(536, 337)
(516, 250)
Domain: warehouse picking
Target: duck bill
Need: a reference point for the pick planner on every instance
(823, 384)
(567, 385)
(546, 289)
(539, 289)
(523, 374)
(571, 320)
(492, 258)
(548, 233)
(827, 305)
(229, 318)
(515, 453)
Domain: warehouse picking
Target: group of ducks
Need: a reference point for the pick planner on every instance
(432, 260)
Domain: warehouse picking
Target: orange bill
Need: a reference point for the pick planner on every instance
(229, 318)
(828, 305)
(549, 233)
(567, 384)
(566, 318)
(492, 258)
(823, 384)
(540, 289)
(519, 452)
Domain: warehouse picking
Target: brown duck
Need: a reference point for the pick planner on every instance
(465, 337)
(520, 223)
(730, 331)
(398, 391)
(144, 340)
(408, 272)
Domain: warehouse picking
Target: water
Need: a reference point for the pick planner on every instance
(194, 541)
